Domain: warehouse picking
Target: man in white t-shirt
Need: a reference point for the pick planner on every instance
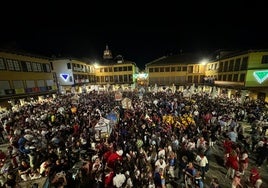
(160, 163)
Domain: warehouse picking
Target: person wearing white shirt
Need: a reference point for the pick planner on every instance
(202, 162)
(119, 180)
(160, 163)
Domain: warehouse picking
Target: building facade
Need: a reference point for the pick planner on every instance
(245, 71)
(73, 75)
(182, 69)
(232, 72)
(115, 72)
(24, 75)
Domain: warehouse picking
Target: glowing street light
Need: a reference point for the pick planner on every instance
(204, 62)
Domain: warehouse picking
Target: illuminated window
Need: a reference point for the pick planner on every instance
(10, 65)
(29, 66)
(16, 65)
(34, 66)
(39, 67)
(2, 64)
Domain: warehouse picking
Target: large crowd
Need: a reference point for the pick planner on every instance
(161, 139)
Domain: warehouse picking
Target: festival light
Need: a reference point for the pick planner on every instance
(261, 76)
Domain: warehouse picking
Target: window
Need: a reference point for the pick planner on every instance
(244, 64)
(221, 67)
(69, 66)
(172, 69)
(230, 77)
(237, 64)
(190, 79)
(178, 69)
(106, 78)
(10, 65)
(48, 68)
(212, 66)
(235, 78)
(242, 77)
(167, 69)
(51, 65)
(190, 69)
(129, 68)
(17, 65)
(184, 68)
(120, 78)
(216, 66)
(23, 66)
(125, 78)
(151, 70)
(34, 65)
(39, 67)
(195, 79)
(226, 66)
(231, 65)
(115, 78)
(264, 59)
(29, 66)
(2, 64)
(161, 69)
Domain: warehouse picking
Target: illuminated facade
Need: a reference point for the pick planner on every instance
(245, 70)
(115, 72)
(73, 74)
(80, 75)
(182, 69)
(24, 75)
(232, 72)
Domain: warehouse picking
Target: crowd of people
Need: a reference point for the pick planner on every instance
(162, 139)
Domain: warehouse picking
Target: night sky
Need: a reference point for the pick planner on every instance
(138, 31)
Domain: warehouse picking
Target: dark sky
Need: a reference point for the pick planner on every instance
(138, 31)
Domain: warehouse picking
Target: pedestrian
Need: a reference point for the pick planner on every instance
(202, 163)
(255, 179)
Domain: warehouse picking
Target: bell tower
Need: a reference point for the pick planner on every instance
(107, 54)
